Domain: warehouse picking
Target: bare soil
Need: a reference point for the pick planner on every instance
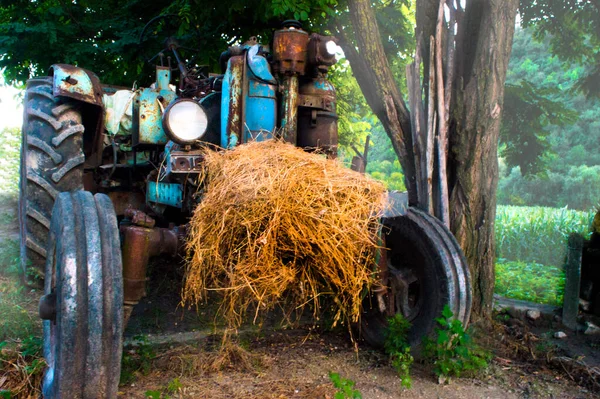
(296, 364)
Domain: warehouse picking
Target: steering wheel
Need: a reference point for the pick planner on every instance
(171, 42)
(189, 77)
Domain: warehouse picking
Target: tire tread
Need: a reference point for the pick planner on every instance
(52, 161)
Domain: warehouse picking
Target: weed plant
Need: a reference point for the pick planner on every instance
(345, 387)
(174, 386)
(452, 351)
(397, 348)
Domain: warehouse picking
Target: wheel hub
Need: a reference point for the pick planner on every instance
(405, 291)
(47, 307)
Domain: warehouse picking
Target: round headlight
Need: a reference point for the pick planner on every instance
(185, 121)
(331, 47)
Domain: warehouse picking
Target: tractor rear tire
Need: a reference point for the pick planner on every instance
(51, 162)
(423, 257)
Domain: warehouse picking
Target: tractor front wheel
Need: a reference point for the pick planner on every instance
(82, 307)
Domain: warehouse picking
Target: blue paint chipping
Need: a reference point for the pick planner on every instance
(225, 106)
(150, 115)
(83, 86)
(259, 104)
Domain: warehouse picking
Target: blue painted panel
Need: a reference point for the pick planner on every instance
(258, 106)
(260, 89)
(225, 101)
(260, 118)
(261, 100)
(163, 78)
(150, 115)
(164, 193)
(324, 84)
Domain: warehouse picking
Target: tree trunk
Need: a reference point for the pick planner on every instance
(473, 90)
(483, 54)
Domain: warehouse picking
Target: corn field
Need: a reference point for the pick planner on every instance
(531, 246)
(537, 234)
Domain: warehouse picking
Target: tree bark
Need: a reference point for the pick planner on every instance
(483, 57)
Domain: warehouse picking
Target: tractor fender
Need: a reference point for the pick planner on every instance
(76, 83)
(83, 86)
(396, 204)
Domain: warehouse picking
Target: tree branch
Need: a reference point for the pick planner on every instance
(442, 111)
(374, 76)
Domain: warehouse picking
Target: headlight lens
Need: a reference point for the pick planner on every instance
(185, 121)
(331, 47)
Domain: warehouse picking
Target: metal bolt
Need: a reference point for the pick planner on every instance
(70, 80)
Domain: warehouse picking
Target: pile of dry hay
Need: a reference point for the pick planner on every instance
(280, 227)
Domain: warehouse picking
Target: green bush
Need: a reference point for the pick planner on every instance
(388, 173)
(576, 187)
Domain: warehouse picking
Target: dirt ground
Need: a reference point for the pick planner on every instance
(296, 363)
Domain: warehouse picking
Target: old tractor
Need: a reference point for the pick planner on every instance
(108, 180)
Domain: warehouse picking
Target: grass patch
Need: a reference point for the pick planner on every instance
(531, 246)
(530, 282)
(10, 148)
(18, 318)
(9, 258)
(137, 360)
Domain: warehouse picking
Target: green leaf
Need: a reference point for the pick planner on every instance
(446, 312)
(442, 337)
(335, 378)
(152, 394)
